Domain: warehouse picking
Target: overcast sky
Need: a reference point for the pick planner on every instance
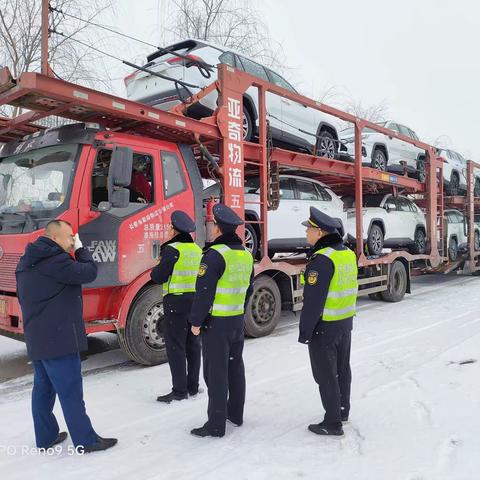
(419, 57)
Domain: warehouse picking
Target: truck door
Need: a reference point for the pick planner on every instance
(120, 239)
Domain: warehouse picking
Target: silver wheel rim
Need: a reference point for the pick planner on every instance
(376, 241)
(455, 183)
(245, 126)
(152, 334)
(327, 147)
(453, 250)
(249, 243)
(420, 241)
(421, 171)
(379, 161)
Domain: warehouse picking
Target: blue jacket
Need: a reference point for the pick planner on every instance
(49, 289)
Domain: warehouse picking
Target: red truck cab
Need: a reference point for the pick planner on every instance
(118, 191)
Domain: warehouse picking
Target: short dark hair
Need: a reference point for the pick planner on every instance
(56, 224)
(226, 228)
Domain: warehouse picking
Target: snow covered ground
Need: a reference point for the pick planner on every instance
(415, 405)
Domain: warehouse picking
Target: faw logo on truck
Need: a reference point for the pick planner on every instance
(103, 251)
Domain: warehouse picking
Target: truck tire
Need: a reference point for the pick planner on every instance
(263, 308)
(142, 338)
(397, 283)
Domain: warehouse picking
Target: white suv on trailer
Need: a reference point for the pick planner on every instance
(291, 124)
(386, 153)
(455, 173)
(388, 221)
(457, 239)
(285, 231)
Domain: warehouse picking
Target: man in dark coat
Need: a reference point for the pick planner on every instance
(329, 298)
(223, 287)
(177, 271)
(49, 289)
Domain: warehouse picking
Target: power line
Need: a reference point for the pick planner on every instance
(199, 63)
(93, 24)
(130, 64)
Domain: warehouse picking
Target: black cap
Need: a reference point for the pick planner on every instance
(226, 217)
(181, 222)
(321, 220)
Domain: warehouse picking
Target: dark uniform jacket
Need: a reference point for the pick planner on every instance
(211, 269)
(320, 270)
(169, 256)
(49, 289)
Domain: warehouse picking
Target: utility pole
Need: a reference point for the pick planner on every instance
(45, 35)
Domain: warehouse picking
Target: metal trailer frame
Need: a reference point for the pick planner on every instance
(43, 95)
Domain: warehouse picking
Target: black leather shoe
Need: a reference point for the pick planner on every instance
(61, 437)
(204, 432)
(101, 444)
(192, 393)
(321, 429)
(237, 424)
(170, 397)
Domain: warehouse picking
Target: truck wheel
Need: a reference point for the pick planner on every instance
(142, 338)
(375, 240)
(263, 308)
(251, 241)
(397, 283)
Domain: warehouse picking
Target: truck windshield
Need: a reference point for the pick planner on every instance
(35, 185)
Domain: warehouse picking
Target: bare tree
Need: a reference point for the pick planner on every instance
(234, 24)
(443, 141)
(20, 39)
(373, 113)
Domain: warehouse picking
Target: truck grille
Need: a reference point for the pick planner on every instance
(8, 264)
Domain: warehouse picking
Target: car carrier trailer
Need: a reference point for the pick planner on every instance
(125, 238)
